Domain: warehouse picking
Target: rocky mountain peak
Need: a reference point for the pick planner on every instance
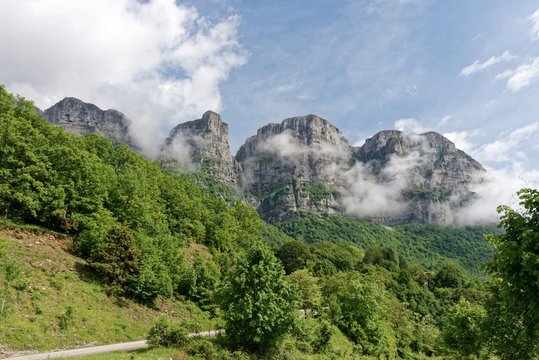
(284, 163)
(309, 131)
(205, 140)
(81, 118)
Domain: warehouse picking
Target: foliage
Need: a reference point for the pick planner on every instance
(129, 218)
(513, 307)
(462, 330)
(259, 304)
(308, 289)
(294, 255)
(431, 246)
(167, 333)
(358, 308)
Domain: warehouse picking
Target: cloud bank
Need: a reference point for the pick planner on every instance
(159, 62)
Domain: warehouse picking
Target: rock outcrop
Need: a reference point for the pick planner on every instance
(305, 163)
(205, 142)
(286, 166)
(438, 175)
(78, 117)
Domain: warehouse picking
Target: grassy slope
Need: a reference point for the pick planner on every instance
(50, 281)
(427, 245)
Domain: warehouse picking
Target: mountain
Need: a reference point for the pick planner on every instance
(78, 117)
(438, 175)
(305, 163)
(205, 141)
(287, 166)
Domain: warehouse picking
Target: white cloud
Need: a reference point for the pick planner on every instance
(409, 126)
(444, 120)
(462, 139)
(534, 19)
(478, 66)
(504, 149)
(499, 187)
(523, 76)
(157, 61)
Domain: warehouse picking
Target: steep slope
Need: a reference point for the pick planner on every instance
(287, 166)
(78, 117)
(203, 142)
(54, 301)
(437, 174)
(306, 164)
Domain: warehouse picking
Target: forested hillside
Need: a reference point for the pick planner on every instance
(149, 235)
(428, 245)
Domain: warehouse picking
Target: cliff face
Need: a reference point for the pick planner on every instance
(306, 164)
(78, 117)
(437, 175)
(205, 141)
(286, 166)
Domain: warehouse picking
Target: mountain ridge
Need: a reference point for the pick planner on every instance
(305, 163)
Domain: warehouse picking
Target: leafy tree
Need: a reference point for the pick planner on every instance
(358, 307)
(462, 331)
(294, 255)
(514, 305)
(166, 333)
(449, 276)
(118, 259)
(308, 289)
(259, 304)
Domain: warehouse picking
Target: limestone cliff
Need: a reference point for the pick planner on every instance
(205, 142)
(437, 173)
(78, 117)
(286, 166)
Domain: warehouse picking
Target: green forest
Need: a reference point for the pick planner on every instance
(315, 287)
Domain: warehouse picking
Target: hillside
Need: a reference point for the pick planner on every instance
(54, 301)
(143, 241)
(431, 246)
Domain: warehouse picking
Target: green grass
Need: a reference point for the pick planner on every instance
(54, 303)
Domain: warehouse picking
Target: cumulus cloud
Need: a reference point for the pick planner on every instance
(410, 125)
(506, 174)
(522, 76)
(534, 19)
(445, 120)
(157, 61)
(180, 150)
(478, 66)
(497, 187)
(288, 146)
(504, 149)
(463, 139)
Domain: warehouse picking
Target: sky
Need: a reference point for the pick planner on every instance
(466, 69)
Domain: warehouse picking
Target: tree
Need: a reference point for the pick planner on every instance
(308, 289)
(294, 255)
(514, 305)
(259, 304)
(462, 329)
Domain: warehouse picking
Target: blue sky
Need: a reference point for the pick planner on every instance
(467, 69)
(366, 64)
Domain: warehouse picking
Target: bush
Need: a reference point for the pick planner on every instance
(166, 333)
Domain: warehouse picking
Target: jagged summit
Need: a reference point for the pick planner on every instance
(81, 118)
(309, 130)
(305, 163)
(206, 142)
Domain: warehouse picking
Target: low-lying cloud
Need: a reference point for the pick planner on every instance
(157, 61)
